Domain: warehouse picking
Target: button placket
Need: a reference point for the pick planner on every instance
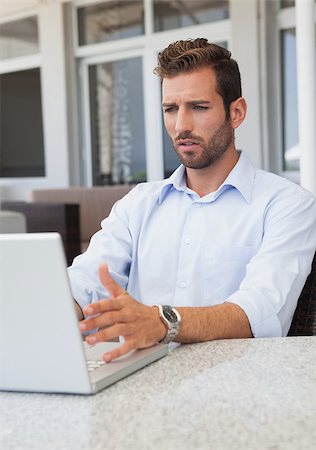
(185, 258)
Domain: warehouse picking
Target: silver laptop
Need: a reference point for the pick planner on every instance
(41, 348)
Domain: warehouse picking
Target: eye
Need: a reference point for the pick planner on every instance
(170, 109)
(200, 108)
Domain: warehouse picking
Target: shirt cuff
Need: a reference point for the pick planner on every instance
(263, 320)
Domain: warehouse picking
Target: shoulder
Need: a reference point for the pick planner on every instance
(154, 191)
(277, 187)
(149, 190)
(284, 201)
(149, 187)
(143, 195)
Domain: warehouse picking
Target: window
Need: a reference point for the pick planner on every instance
(171, 160)
(18, 38)
(289, 101)
(287, 3)
(182, 13)
(21, 123)
(117, 122)
(109, 21)
(21, 128)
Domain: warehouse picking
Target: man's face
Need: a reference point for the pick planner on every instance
(194, 117)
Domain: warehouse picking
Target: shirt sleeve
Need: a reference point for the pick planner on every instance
(111, 245)
(275, 276)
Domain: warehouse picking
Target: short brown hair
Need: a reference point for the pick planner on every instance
(192, 54)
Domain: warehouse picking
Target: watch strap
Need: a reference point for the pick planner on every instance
(173, 328)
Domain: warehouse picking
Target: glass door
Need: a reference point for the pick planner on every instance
(116, 140)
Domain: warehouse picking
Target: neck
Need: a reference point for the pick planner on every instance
(209, 179)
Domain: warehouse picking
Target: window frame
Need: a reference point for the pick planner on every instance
(58, 86)
(285, 19)
(19, 64)
(84, 82)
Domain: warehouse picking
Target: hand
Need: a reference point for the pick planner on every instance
(121, 315)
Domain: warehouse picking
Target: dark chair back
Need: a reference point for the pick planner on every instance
(304, 320)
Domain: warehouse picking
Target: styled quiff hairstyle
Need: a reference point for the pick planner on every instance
(192, 54)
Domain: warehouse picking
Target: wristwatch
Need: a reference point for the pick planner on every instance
(171, 319)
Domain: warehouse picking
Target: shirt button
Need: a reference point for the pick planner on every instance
(198, 205)
(188, 241)
(183, 284)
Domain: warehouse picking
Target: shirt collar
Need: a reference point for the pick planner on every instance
(177, 181)
(241, 178)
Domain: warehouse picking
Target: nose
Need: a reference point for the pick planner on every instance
(184, 121)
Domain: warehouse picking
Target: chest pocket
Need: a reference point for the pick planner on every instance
(225, 268)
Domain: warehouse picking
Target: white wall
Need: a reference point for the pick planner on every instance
(245, 49)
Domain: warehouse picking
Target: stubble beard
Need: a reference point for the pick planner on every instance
(214, 149)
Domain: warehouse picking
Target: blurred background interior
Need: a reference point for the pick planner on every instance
(80, 105)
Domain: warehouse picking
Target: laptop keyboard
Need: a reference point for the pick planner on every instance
(93, 365)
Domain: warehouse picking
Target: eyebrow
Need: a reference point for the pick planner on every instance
(191, 103)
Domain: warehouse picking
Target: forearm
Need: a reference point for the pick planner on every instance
(142, 326)
(225, 321)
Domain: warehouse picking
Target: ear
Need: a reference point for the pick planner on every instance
(238, 110)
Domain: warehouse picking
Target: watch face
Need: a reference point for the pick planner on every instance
(169, 314)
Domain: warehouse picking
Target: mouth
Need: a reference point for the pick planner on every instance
(187, 144)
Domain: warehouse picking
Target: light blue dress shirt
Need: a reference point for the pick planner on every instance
(250, 243)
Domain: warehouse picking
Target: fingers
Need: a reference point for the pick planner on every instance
(121, 315)
(117, 352)
(100, 321)
(106, 312)
(113, 288)
(109, 333)
(102, 306)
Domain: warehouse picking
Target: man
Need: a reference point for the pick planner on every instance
(226, 246)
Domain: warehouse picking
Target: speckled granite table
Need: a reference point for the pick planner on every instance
(241, 394)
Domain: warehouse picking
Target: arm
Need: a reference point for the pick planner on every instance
(141, 325)
(111, 243)
(275, 276)
(225, 321)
